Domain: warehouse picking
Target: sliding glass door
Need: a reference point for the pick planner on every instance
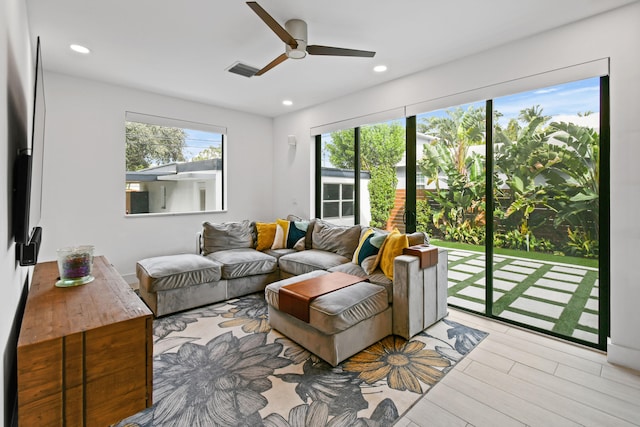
(518, 196)
(522, 214)
(546, 164)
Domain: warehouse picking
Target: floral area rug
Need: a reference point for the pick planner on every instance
(223, 365)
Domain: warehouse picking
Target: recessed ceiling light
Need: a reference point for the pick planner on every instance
(287, 102)
(80, 49)
(380, 68)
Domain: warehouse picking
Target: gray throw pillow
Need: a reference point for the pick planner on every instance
(226, 235)
(342, 240)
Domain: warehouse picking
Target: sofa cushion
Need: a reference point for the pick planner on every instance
(338, 310)
(305, 261)
(377, 277)
(277, 253)
(226, 235)
(176, 271)
(243, 262)
(338, 239)
(367, 254)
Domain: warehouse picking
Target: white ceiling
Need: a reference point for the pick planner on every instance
(183, 48)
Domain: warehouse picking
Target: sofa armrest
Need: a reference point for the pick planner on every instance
(419, 295)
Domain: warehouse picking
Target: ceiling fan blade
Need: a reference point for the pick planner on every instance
(273, 24)
(338, 51)
(272, 64)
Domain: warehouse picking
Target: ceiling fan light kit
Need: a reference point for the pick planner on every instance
(294, 36)
(298, 30)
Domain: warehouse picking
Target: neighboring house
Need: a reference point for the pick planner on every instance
(338, 194)
(176, 187)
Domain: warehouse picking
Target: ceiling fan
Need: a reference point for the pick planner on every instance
(294, 35)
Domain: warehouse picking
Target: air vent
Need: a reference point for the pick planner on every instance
(243, 69)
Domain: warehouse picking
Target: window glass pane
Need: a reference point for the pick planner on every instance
(331, 192)
(546, 162)
(172, 169)
(450, 156)
(347, 192)
(337, 175)
(331, 209)
(347, 208)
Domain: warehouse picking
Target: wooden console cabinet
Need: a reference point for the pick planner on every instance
(84, 352)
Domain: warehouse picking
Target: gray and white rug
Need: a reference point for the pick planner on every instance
(223, 365)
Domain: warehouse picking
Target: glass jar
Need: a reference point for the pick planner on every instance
(75, 264)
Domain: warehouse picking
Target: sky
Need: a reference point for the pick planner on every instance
(198, 140)
(561, 102)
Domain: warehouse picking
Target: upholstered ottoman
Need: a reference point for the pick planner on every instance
(341, 323)
(178, 282)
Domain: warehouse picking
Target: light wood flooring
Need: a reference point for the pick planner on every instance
(520, 378)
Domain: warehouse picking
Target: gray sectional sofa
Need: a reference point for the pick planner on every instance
(229, 264)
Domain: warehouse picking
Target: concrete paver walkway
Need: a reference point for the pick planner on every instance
(556, 297)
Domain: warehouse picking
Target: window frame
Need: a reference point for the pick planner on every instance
(220, 165)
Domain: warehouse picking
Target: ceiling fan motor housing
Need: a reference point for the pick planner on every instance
(298, 30)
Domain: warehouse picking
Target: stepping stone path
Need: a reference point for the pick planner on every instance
(551, 296)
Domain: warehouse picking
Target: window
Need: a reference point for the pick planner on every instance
(337, 177)
(374, 154)
(337, 200)
(173, 166)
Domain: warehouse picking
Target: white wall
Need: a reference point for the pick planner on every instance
(84, 171)
(615, 35)
(16, 92)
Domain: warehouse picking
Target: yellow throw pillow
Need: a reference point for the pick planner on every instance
(393, 246)
(266, 234)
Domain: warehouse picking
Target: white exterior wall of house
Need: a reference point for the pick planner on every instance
(185, 195)
(614, 35)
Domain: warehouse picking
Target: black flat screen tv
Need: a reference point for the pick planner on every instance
(27, 177)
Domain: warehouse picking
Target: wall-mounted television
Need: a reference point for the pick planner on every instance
(27, 178)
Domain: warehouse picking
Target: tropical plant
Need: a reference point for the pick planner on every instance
(581, 243)
(576, 177)
(446, 159)
(554, 167)
(526, 241)
(424, 220)
(521, 161)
